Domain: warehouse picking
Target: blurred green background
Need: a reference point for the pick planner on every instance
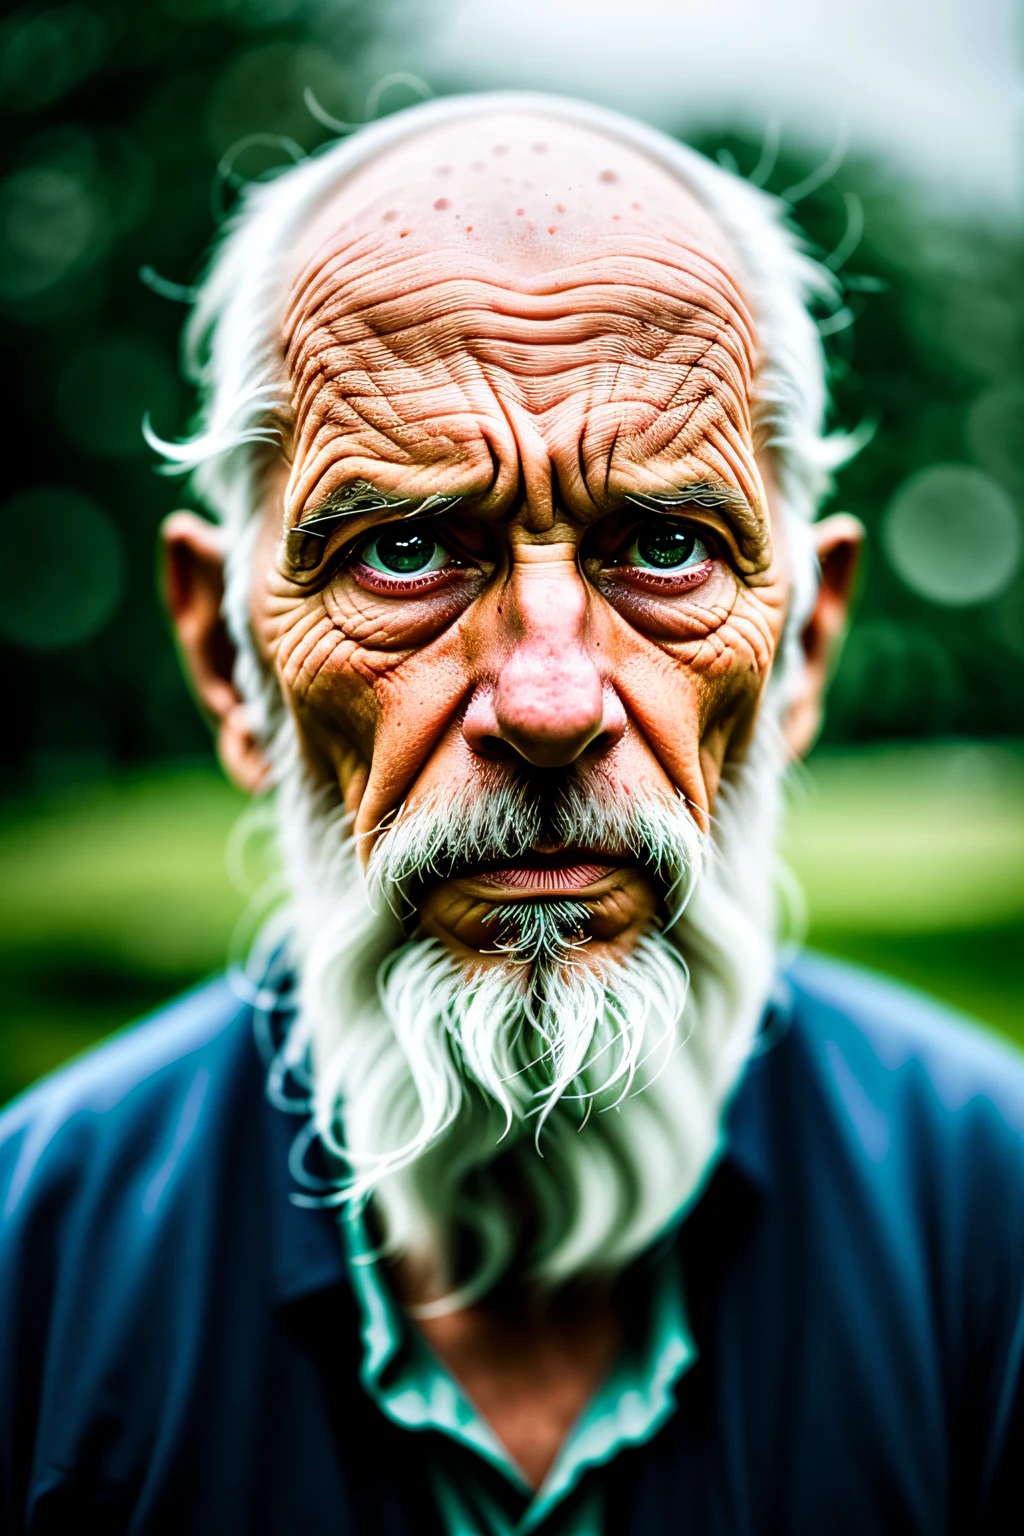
(127, 130)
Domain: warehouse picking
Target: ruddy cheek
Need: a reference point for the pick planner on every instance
(340, 709)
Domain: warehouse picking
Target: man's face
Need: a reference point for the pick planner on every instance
(543, 541)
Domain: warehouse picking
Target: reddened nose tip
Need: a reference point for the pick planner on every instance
(549, 709)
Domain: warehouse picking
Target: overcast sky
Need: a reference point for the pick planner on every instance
(930, 84)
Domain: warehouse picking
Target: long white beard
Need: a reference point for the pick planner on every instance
(595, 1093)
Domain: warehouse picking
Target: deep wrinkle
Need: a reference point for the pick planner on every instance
(550, 406)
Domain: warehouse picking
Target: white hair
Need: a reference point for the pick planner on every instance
(449, 1093)
(234, 347)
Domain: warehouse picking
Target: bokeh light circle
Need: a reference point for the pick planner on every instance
(261, 92)
(62, 572)
(105, 388)
(48, 221)
(953, 535)
(995, 432)
(44, 53)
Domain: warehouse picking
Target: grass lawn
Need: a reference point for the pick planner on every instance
(115, 896)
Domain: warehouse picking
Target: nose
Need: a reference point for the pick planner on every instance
(549, 702)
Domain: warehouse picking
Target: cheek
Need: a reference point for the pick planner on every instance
(722, 624)
(334, 699)
(737, 643)
(350, 694)
(692, 694)
(418, 744)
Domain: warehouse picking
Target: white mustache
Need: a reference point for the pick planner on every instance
(511, 822)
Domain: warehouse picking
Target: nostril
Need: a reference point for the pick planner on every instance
(496, 750)
(601, 744)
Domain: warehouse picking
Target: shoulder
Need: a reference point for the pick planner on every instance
(921, 1107)
(118, 1181)
(121, 1110)
(901, 1124)
(137, 1222)
(901, 1046)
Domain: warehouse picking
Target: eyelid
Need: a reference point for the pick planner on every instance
(313, 545)
(707, 530)
(712, 523)
(745, 525)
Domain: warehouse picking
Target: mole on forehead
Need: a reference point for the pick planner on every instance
(527, 190)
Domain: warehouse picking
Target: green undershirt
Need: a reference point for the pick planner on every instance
(478, 1487)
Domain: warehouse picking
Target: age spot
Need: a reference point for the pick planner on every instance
(443, 170)
(441, 203)
(478, 165)
(539, 148)
(403, 232)
(500, 149)
(608, 176)
(390, 216)
(638, 207)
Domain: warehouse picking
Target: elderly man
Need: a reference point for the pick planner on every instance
(513, 1188)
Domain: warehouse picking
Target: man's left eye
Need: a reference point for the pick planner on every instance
(404, 552)
(663, 547)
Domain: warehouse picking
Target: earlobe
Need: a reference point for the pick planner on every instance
(838, 541)
(194, 590)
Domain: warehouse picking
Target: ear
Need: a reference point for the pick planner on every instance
(838, 541)
(194, 589)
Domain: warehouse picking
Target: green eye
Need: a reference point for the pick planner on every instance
(404, 552)
(666, 547)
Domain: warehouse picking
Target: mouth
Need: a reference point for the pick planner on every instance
(568, 871)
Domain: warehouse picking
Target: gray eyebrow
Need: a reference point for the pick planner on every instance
(699, 493)
(304, 545)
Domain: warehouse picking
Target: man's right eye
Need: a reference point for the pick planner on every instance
(405, 552)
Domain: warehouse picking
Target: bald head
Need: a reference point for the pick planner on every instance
(527, 192)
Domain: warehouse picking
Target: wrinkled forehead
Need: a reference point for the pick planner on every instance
(514, 281)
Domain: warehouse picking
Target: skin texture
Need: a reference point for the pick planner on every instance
(538, 323)
(540, 351)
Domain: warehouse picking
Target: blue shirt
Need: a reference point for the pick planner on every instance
(180, 1346)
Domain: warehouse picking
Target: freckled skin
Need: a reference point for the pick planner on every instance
(542, 332)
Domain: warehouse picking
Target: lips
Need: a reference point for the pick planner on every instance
(545, 876)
